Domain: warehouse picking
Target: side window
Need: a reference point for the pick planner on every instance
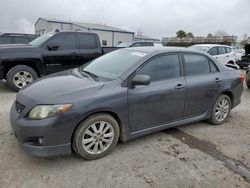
(5, 40)
(162, 68)
(228, 50)
(87, 41)
(147, 44)
(222, 50)
(213, 51)
(104, 43)
(196, 64)
(21, 40)
(65, 41)
(213, 67)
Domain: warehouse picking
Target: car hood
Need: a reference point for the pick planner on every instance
(8, 48)
(62, 87)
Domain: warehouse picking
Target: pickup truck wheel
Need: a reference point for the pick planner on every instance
(96, 137)
(19, 76)
(221, 110)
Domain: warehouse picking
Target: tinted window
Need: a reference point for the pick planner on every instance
(228, 50)
(5, 40)
(136, 45)
(213, 51)
(196, 64)
(161, 68)
(104, 43)
(222, 50)
(87, 41)
(21, 40)
(147, 44)
(65, 41)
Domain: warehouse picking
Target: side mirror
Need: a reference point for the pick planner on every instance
(141, 80)
(53, 46)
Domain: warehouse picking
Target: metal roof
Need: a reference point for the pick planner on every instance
(91, 26)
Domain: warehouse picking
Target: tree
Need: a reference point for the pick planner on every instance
(190, 35)
(209, 35)
(221, 33)
(181, 34)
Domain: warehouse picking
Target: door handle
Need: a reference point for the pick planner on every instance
(216, 57)
(217, 80)
(179, 86)
(227, 55)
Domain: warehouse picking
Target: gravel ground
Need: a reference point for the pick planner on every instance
(194, 155)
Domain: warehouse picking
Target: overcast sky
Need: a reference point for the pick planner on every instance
(156, 18)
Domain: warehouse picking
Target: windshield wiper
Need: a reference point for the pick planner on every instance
(91, 74)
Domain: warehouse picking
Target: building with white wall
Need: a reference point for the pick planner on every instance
(109, 36)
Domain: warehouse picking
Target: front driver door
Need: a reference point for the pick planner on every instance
(61, 58)
(162, 101)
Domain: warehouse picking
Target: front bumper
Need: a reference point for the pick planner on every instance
(43, 138)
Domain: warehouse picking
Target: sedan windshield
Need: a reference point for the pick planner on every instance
(40, 40)
(201, 48)
(114, 64)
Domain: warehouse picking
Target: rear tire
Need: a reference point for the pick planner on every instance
(221, 110)
(248, 86)
(19, 76)
(96, 137)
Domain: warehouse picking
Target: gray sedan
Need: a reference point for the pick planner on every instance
(120, 96)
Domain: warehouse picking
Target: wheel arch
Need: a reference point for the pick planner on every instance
(33, 63)
(122, 135)
(230, 95)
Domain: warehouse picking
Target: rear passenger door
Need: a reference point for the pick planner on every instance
(203, 83)
(89, 48)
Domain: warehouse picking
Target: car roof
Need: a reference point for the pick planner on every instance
(211, 45)
(160, 49)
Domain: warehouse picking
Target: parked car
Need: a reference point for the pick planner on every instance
(239, 53)
(16, 38)
(49, 53)
(248, 77)
(222, 53)
(245, 60)
(138, 44)
(122, 95)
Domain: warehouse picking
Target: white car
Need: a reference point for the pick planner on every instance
(239, 53)
(222, 53)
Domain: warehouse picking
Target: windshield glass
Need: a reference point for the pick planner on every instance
(113, 64)
(40, 40)
(124, 44)
(201, 48)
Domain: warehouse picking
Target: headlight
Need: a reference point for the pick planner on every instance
(45, 111)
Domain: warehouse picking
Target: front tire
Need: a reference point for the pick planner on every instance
(96, 137)
(221, 110)
(19, 76)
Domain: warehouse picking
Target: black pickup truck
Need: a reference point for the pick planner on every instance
(49, 53)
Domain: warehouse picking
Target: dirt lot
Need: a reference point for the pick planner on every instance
(195, 155)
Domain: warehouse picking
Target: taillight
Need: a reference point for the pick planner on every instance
(242, 78)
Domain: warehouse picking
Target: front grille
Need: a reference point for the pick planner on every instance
(19, 107)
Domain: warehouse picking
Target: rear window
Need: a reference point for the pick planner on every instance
(87, 41)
